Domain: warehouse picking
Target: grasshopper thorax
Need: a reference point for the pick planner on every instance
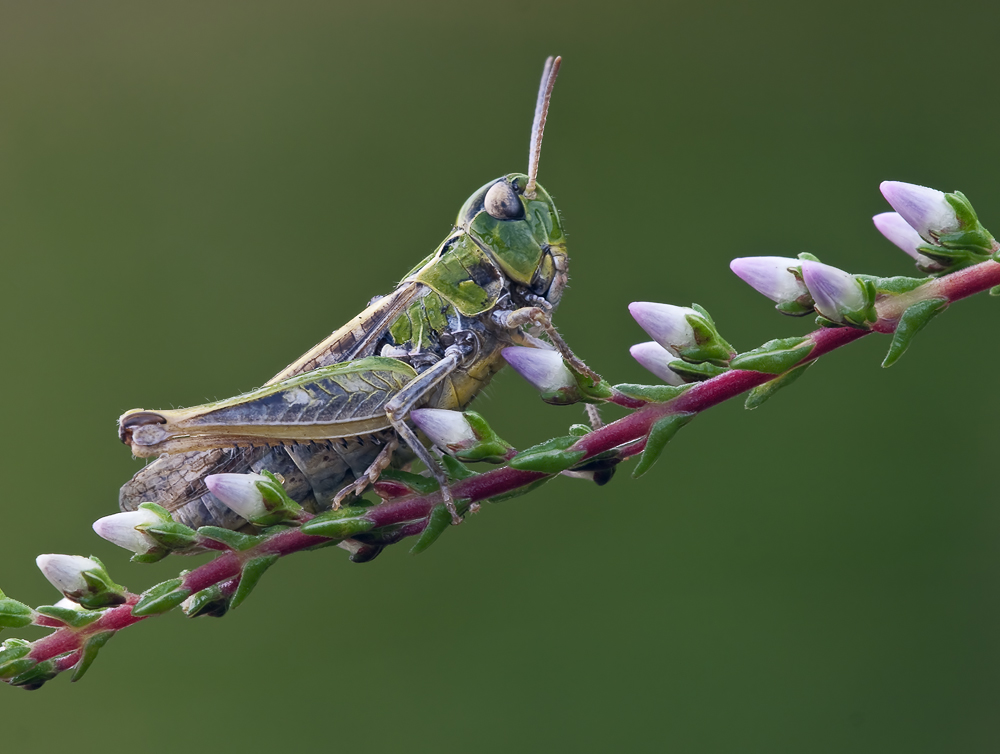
(522, 236)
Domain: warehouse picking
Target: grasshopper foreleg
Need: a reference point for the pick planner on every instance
(406, 399)
(534, 315)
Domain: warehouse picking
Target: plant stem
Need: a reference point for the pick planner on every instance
(627, 434)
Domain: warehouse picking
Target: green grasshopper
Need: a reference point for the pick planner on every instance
(333, 420)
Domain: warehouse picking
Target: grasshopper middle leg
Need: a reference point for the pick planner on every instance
(406, 399)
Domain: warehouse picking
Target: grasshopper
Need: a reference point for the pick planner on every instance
(334, 419)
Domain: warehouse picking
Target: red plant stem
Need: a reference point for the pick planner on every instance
(633, 429)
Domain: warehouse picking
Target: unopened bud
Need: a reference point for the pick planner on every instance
(82, 580)
(896, 229)
(240, 492)
(546, 370)
(446, 429)
(123, 530)
(839, 296)
(682, 330)
(778, 278)
(926, 210)
(657, 360)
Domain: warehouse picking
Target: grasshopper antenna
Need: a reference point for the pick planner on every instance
(549, 73)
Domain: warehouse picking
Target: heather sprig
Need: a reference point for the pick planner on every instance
(697, 367)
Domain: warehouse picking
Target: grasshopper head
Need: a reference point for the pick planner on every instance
(523, 235)
(514, 220)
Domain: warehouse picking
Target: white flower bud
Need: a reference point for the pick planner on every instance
(240, 493)
(65, 572)
(446, 429)
(120, 529)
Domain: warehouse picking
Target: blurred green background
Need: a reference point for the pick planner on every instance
(192, 194)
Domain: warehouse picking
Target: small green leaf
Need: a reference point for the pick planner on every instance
(274, 493)
(703, 312)
(775, 356)
(794, 308)
(13, 649)
(591, 391)
(160, 598)
(437, 522)
(171, 535)
(337, 525)
(210, 602)
(231, 539)
(824, 322)
(809, 257)
(455, 468)
(90, 650)
(35, 676)
(422, 485)
(972, 236)
(14, 657)
(153, 556)
(710, 346)
(894, 285)
(14, 614)
(253, 569)
(159, 510)
(660, 434)
(995, 290)
(913, 320)
(761, 393)
(696, 372)
(101, 590)
(549, 457)
(13, 668)
(489, 446)
(579, 430)
(69, 616)
(651, 393)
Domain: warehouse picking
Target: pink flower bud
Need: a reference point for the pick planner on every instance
(541, 367)
(771, 276)
(656, 359)
(665, 323)
(926, 210)
(896, 229)
(835, 292)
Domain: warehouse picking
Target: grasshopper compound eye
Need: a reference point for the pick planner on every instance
(502, 202)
